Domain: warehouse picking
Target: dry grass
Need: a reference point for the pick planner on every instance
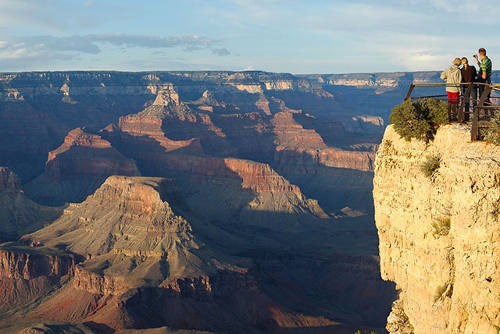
(441, 227)
(431, 165)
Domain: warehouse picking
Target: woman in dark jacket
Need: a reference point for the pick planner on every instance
(469, 74)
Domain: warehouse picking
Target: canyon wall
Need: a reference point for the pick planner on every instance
(439, 232)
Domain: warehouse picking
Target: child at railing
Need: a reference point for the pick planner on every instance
(453, 78)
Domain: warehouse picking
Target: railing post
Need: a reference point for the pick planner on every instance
(475, 118)
(410, 90)
(474, 131)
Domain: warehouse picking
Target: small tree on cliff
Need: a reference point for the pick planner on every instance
(419, 119)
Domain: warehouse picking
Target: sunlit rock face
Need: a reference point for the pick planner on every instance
(439, 234)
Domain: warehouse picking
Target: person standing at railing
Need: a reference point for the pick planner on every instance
(453, 78)
(485, 67)
(469, 74)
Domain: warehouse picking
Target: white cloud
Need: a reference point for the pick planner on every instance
(54, 46)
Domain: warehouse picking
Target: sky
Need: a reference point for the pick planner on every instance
(315, 36)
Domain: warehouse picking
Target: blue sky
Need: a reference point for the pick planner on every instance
(315, 36)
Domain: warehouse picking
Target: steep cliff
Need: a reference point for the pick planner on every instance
(439, 232)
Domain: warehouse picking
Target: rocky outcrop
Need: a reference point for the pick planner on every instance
(167, 102)
(26, 265)
(439, 232)
(145, 127)
(95, 156)
(26, 275)
(97, 283)
(297, 147)
(292, 136)
(78, 138)
(78, 167)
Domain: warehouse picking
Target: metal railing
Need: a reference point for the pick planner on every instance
(483, 108)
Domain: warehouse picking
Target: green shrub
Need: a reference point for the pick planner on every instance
(419, 119)
(438, 111)
(441, 227)
(493, 133)
(431, 165)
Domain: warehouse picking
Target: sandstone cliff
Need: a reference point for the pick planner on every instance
(439, 234)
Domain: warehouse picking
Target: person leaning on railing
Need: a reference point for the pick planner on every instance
(453, 78)
(485, 68)
(469, 74)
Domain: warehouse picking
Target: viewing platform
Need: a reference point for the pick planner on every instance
(482, 108)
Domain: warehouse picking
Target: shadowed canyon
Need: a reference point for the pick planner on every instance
(183, 202)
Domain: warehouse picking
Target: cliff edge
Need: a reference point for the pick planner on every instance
(437, 211)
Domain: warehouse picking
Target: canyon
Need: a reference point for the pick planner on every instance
(205, 201)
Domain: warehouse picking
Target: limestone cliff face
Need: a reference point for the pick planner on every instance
(439, 235)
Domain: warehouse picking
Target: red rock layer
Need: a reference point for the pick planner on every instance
(138, 126)
(291, 135)
(18, 264)
(306, 148)
(87, 154)
(260, 177)
(98, 284)
(77, 137)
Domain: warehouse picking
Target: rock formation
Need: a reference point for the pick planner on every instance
(439, 232)
(78, 167)
(146, 128)
(127, 233)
